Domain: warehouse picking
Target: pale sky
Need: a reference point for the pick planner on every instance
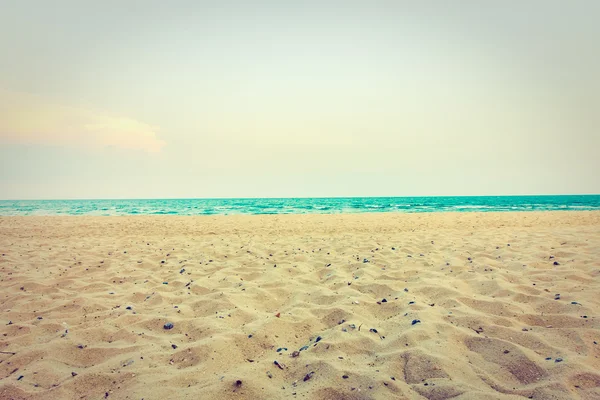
(158, 99)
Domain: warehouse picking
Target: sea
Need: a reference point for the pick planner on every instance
(334, 205)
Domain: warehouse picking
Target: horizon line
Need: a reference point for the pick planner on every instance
(289, 198)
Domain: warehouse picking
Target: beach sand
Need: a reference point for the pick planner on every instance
(370, 306)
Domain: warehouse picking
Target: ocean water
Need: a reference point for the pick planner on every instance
(298, 205)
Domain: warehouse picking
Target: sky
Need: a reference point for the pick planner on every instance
(196, 99)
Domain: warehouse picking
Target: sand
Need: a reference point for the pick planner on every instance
(371, 306)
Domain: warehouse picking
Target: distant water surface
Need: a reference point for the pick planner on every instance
(298, 205)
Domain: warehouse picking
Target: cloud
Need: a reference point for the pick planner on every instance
(36, 120)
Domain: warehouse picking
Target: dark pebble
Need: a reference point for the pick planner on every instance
(168, 325)
(174, 346)
(182, 270)
(574, 302)
(411, 302)
(506, 351)
(373, 330)
(128, 308)
(406, 289)
(165, 283)
(303, 348)
(345, 376)
(73, 373)
(558, 360)
(365, 261)
(249, 336)
(548, 358)
(384, 301)
(40, 318)
(308, 376)
(415, 321)
(238, 383)
(556, 263)
(318, 339)
(20, 377)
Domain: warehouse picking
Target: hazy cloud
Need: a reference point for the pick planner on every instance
(37, 120)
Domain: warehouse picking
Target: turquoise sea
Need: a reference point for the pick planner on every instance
(298, 205)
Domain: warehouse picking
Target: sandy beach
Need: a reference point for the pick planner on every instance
(371, 306)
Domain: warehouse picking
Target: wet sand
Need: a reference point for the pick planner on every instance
(371, 306)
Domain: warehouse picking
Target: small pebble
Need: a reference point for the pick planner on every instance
(415, 321)
(373, 330)
(73, 373)
(411, 302)
(318, 339)
(174, 346)
(558, 360)
(548, 358)
(165, 283)
(406, 289)
(556, 263)
(168, 325)
(345, 376)
(128, 308)
(384, 301)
